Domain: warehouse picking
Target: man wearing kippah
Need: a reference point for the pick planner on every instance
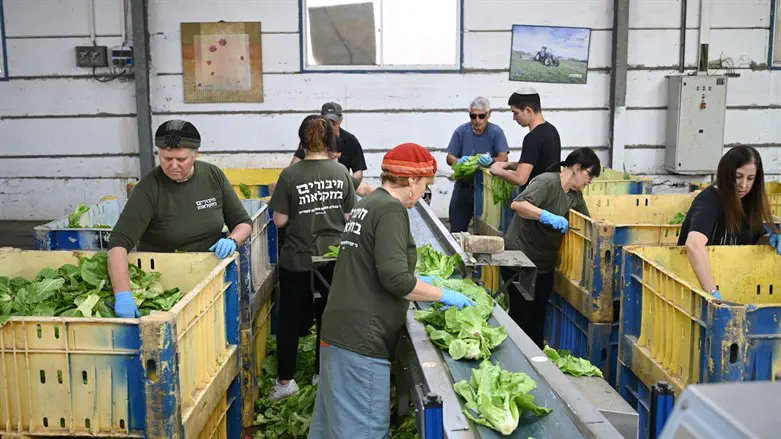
(349, 150)
(476, 137)
(541, 146)
(181, 205)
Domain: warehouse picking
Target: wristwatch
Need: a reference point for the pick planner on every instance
(234, 241)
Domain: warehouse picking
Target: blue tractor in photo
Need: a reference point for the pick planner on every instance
(546, 56)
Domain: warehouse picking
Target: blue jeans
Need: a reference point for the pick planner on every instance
(462, 205)
(353, 396)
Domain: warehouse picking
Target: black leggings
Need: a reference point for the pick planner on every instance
(530, 316)
(297, 311)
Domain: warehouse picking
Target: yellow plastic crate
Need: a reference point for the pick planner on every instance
(672, 330)
(612, 182)
(254, 351)
(489, 218)
(260, 181)
(773, 189)
(587, 273)
(151, 377)
(225, 421)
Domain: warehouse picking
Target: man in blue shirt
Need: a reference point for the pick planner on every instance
(479, 136)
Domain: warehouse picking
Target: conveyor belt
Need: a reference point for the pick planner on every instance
(572, 416)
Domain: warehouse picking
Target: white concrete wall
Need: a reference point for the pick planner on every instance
(82, 136)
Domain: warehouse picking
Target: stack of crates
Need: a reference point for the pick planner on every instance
(772, 188)
(169, 374)
(584, 311)
(257, 279)
(673, 331)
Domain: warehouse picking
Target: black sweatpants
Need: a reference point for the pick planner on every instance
(530, 316)
(297, 311)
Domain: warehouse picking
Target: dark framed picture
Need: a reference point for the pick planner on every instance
(549, 54)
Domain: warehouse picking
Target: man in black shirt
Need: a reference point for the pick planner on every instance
(541, 147)
(351, 153)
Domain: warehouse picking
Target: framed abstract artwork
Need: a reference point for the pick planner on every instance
(222, 62)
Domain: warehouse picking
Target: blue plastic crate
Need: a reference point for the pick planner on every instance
(673, 331)
(567, 328)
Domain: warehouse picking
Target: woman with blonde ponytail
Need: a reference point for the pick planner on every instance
(311, 202)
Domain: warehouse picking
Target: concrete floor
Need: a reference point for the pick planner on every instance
(18, 234)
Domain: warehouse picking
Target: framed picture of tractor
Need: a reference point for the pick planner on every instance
(549, 54)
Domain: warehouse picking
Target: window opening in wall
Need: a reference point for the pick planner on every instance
(3, 58)
(775, 36)
(381, 35)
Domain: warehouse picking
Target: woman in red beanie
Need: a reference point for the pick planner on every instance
(373, 282)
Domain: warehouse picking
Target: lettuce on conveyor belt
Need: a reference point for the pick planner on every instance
(433, 263)
(464, 333)
(497, 398)
(572, 365)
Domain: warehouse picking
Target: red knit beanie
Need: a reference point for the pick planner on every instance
(409, 160)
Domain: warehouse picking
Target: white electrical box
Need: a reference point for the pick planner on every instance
(696, 106)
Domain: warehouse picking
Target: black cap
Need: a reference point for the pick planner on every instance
(177, 134)
(332, 111)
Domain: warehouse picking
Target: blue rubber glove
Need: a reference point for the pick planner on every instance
(428, 279)
(775, 242)
(124, 306)
(557, 222)
(463, 159)
(717, 295)
(223, 248)
(485, 160)
(454, 298)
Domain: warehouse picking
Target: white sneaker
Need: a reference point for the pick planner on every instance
(283, 391)
(315, 379)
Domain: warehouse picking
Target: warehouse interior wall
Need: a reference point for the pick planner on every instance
(66, 138)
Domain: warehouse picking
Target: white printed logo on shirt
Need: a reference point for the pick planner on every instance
(208, 203)
(320, 191)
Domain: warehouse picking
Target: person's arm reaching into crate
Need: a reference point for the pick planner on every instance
(733, 211)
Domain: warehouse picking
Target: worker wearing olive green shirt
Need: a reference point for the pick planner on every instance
(181, 205)
(373, 282)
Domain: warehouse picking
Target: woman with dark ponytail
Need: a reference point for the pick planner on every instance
(311, 201)
(538, 227)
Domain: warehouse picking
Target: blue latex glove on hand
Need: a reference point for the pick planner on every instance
(428, 279)
(717, 295)
(463, 159)
(124, 306)
(775, 242)
(454, 298)
(485, 160)
(223, 248)
(557, 222)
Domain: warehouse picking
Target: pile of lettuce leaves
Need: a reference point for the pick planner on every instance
(75, 219)
(465, 170)
(82, 290)
(570, 364)
(291, 417)
(464, 333)
(433, 263)
(497, 398)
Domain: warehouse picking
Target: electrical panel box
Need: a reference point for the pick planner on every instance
(696, 107)
(122, 56)
(91, 56)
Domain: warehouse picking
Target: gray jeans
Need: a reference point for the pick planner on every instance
(353, 396)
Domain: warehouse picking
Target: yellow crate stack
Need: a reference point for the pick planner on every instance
(91, 376)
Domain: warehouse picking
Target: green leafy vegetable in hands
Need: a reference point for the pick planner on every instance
(467, 169)
(245, 190)
(81, 291)
(74, 219)
(464, 333)
(433, 263)
(502, 190)
(678, 218)
(497, 398)
(572, 365)
(333, 252)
